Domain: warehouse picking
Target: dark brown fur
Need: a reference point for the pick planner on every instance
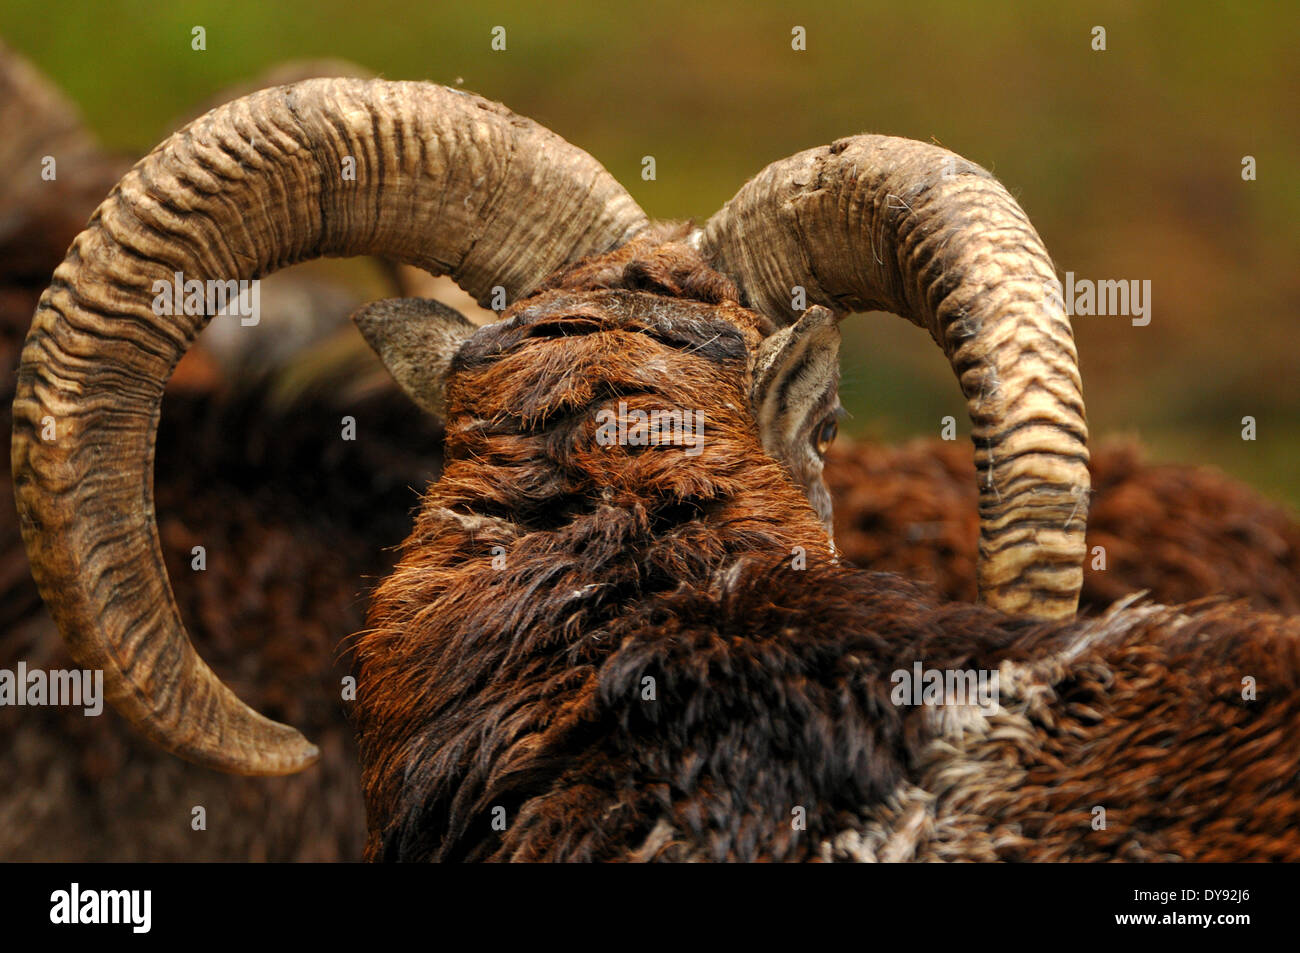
(297, 524)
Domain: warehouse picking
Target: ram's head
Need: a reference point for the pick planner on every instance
(461, 186)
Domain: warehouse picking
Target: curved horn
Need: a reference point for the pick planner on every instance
(877, 222)
(427, 175)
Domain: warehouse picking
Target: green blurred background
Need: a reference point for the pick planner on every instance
(1128, 160)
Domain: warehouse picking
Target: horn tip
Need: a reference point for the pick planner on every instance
(289, 755)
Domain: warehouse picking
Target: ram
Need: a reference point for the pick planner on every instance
(595, 650)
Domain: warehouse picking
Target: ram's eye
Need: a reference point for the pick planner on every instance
(824, 435)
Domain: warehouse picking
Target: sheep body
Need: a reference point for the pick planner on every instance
(645, 672)
(289, 568)
(773, 705)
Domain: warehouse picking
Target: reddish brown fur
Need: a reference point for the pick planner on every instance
(1179, 532)
(587, 529)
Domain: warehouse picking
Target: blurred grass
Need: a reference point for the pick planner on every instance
(1127, 160)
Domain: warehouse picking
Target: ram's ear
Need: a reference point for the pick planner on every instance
(795, 398)
(796, 378)
(415, 338)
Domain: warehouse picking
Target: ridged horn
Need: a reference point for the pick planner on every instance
(877, 222)
(425, 175)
